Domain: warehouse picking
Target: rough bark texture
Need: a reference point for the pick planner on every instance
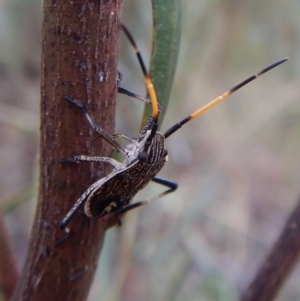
(80, 45)
(279, 264)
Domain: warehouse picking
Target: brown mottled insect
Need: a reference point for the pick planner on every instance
(144, 158)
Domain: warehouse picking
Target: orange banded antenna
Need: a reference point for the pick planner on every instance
(218, 99)
(148, 81)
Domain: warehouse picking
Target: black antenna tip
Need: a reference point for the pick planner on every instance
(283, 60)
(272, 66)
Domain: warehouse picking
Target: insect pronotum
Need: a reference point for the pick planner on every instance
(144, 158)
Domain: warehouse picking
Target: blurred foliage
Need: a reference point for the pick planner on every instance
(237, 165)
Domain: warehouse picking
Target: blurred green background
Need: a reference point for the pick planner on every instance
(237, 165)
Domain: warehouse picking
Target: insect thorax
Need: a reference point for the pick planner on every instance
(118, 189)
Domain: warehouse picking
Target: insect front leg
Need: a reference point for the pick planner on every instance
(100, 131)
(134, 95)
(130, 139)
(171, 185)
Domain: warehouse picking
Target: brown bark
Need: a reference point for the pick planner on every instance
(80, 45)
(279, 264)
(8, 267)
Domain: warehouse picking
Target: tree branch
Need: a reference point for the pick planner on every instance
(79, 58)
(279, 264)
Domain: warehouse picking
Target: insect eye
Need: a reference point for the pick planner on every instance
(142, 156)
(165, 154)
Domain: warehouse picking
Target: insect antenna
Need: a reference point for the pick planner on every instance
(218, 99)
(148, 81)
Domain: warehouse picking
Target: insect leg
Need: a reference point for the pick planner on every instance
(65, 221)
(131, 94)
(171, 185)
(68, 233)
(101, 132)
(132, 140)
(136, 96)
(84, 158)
(150, 122)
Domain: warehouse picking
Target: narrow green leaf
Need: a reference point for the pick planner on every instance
(165, 49)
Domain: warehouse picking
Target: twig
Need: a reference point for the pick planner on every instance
(79, 59)
(279, 264)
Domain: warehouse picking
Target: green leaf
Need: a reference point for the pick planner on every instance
(165, 49)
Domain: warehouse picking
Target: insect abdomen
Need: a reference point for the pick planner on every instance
(127, 183)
